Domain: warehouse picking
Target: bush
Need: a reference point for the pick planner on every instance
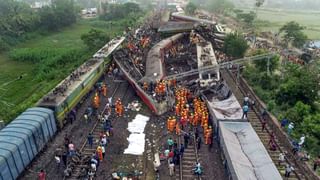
(49, 64)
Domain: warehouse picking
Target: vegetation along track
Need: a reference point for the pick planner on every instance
(255, 120)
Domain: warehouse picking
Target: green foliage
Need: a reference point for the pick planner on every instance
(299, 85)
(48, 63)
(219, 5)
(247, 17)
(298, 112)
(259, 3)
(294, 97)
(95, 39)
(17, 19)
(191, 8)
(262, 64)
(235, 45)
(60, 14)
(120, 11)
(293, 31)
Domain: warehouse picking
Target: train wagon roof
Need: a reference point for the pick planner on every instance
(171, 27)
(69, 84)
(205, 54)
(154, 65)
(227, 109)
(54, 97)
(194, 19)
(246, 156)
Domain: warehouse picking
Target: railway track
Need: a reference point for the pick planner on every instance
(254, 119)
(187, 162)
(120, 90)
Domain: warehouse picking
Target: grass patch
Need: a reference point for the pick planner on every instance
(17, 94)
(279, 18)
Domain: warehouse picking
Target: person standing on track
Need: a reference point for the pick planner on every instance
(42, 175)
(199, 141)
(186, 138)
(181, 150)
(288, 171)
(281, 158)
(245, 110)
(171, 168)
(170, 143)
(90, 140)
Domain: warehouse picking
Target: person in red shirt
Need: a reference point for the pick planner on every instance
(42, 175)
(170, 156)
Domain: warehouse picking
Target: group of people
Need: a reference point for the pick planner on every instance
(190, 114)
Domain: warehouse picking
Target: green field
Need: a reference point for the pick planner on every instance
(18, 94)
(278, 18)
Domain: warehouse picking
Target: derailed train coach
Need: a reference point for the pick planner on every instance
(23, 139)
(244, 154)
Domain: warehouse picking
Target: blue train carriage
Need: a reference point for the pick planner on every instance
(62, 102)
(23, 139)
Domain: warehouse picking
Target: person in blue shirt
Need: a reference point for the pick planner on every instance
(198, 169)
(245, 110)
(284, 122)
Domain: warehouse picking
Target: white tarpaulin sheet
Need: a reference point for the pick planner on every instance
(226, 109)
(246, 156)
(137, 137)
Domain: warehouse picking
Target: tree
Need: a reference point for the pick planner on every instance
(61, 13)
(299, 84)
(235, 45)
(95, 39)
(258, 4)
(119, 11)
(247, 17)
(191, 8)
(293, 31)
(262, 65)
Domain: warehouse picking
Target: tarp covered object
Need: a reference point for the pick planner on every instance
(229, 108)
(246, 156)
(137, 137)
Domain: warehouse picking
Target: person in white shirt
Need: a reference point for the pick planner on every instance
(281, 158)
(302, 139)
(171, 168)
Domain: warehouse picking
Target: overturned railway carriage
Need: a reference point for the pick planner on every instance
(71, 90)
(23, 139)
(155, 71)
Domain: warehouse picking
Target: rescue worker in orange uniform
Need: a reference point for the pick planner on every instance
(171, 123)
(208, 135)
(96, 101)
(99, 152)
(119, 108)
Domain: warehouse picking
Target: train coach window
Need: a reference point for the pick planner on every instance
(205, 76)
